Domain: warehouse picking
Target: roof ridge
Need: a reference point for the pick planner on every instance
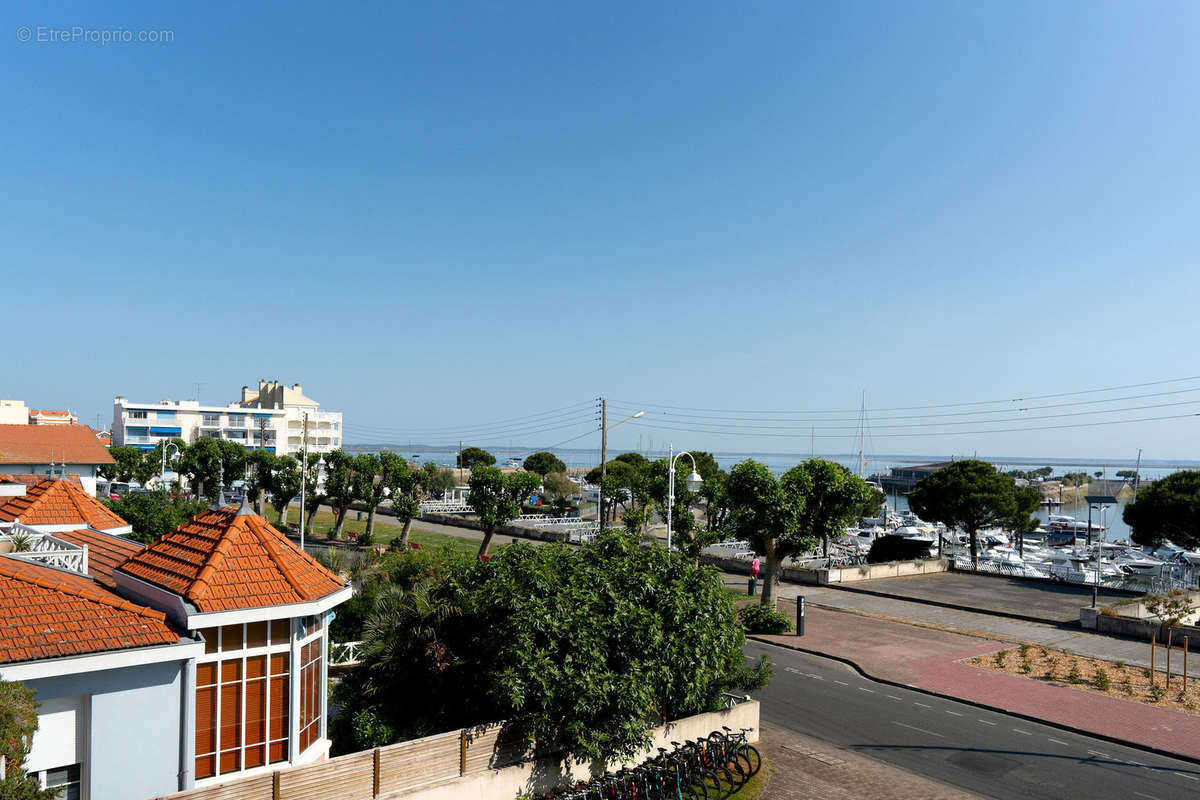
(16, 570)
(199, 585)
(275, 550)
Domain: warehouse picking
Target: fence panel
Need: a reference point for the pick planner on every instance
(349, 777)
(409, 764)
(260, 787)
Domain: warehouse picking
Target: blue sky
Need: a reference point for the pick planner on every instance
(440, 215)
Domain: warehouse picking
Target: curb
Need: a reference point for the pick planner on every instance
(976, 704)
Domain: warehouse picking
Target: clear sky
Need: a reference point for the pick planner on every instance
(439, 215)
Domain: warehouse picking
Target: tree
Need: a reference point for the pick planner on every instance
(437, 481)
(764, 511)
(496, 497)
(407, 490)
(152, 515)
(1125, 473)
(544, 462)
(262, 465)
(201, 463)
(314, 492)
(576, 649)
(126, 460)
(635, 460)
(284, 486)
(559, 485)
(972, 495)
(833, 498)
(340, 486)
(473, 456)
(377, 477)
(1168, 509)
(18, 723)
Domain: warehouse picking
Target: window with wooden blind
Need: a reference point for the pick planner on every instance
(312, 694)
(242, 698)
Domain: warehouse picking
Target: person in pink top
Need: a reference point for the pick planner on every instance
(754, 565)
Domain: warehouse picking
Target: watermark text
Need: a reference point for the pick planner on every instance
(81, 34)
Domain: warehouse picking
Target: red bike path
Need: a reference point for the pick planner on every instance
(927, 659)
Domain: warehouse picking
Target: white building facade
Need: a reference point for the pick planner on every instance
(273, 418)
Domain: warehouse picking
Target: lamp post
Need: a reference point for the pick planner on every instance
(693, 481)
(604, 429)
(162, 473)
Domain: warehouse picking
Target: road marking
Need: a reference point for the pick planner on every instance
(891, 697)
(815, 677)
(955, 713)
(914, 728)
(1098, 753)
(985, 722)
(1143, 794)
(1058, 741)
(793, 670)
(843, 683)
(1023, 733)
(922, 705)
(1189, 777)
(865, 689)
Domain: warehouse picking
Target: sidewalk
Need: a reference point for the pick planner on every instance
(1060, 637)
(926, 659)
(809, 769)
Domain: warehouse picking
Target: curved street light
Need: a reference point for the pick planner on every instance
(693, 482)
(162, 473)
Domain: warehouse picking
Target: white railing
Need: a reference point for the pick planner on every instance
(51, 552)
(445, 507)
(344, 654)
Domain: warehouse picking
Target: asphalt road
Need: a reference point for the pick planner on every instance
(988, 753)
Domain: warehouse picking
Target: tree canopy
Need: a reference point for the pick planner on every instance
(764, 512)
(496, 497)
(543, 463)
(972, 495)
(18, 723)
(1168, 509)
(475, 456)
(833, 496)
(577, 649)
(152, 515)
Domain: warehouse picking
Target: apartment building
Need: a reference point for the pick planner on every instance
(271, 418)
(208, 647)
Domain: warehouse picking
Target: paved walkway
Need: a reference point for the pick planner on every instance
(927, 659)
(810, 769)
(1061, 637)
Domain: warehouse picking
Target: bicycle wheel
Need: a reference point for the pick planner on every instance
(751, 755)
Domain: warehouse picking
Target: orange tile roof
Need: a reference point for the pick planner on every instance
(41, 444)
(105, 552)
(32, 480)
(55, 502)
(230, 559)
(45, 613)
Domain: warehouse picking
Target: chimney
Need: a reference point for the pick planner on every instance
(245, 393)
(296, 388)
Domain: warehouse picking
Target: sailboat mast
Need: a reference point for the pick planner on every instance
(862, 432)
(1137, 474)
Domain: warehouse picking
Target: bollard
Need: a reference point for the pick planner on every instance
(515, 540)
(800, 615)
(752, 587)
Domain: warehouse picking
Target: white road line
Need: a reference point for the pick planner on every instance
(1023, 733)
(921, 730)
(1189, 777)
(865, 689)
(891, 697)
(922, 705)
(1098, 753)
(1058, 741)
(843, 683)
(815, 677)
(985, 722)
(955, 713)
(1143, 794)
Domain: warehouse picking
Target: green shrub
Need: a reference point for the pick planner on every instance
(1024, 650)
(1001, 657)
(1120, 665)
(1157, 693)
(1102, 681)
(1074, 675)
(757, 618)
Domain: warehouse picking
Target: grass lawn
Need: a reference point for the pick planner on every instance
(754, 787)
(386, 528)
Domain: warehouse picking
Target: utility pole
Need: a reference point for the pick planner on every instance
(603, 457)
(303, 476)
(262, 434)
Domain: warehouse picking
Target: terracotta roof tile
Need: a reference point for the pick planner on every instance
(55, 502)
(45, 613)
(105, 552)
(223, 560)
(39, 444)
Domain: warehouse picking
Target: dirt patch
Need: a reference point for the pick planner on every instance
(1112, 678)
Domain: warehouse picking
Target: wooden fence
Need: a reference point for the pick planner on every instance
(366, 775)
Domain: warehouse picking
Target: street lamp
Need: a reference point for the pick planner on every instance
(604, 429)
(693, 481)
(162, 473)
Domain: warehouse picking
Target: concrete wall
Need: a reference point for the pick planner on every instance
(546, 534)
(544, 775)
(864, 572)
(1135, 628)
(131, 727)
